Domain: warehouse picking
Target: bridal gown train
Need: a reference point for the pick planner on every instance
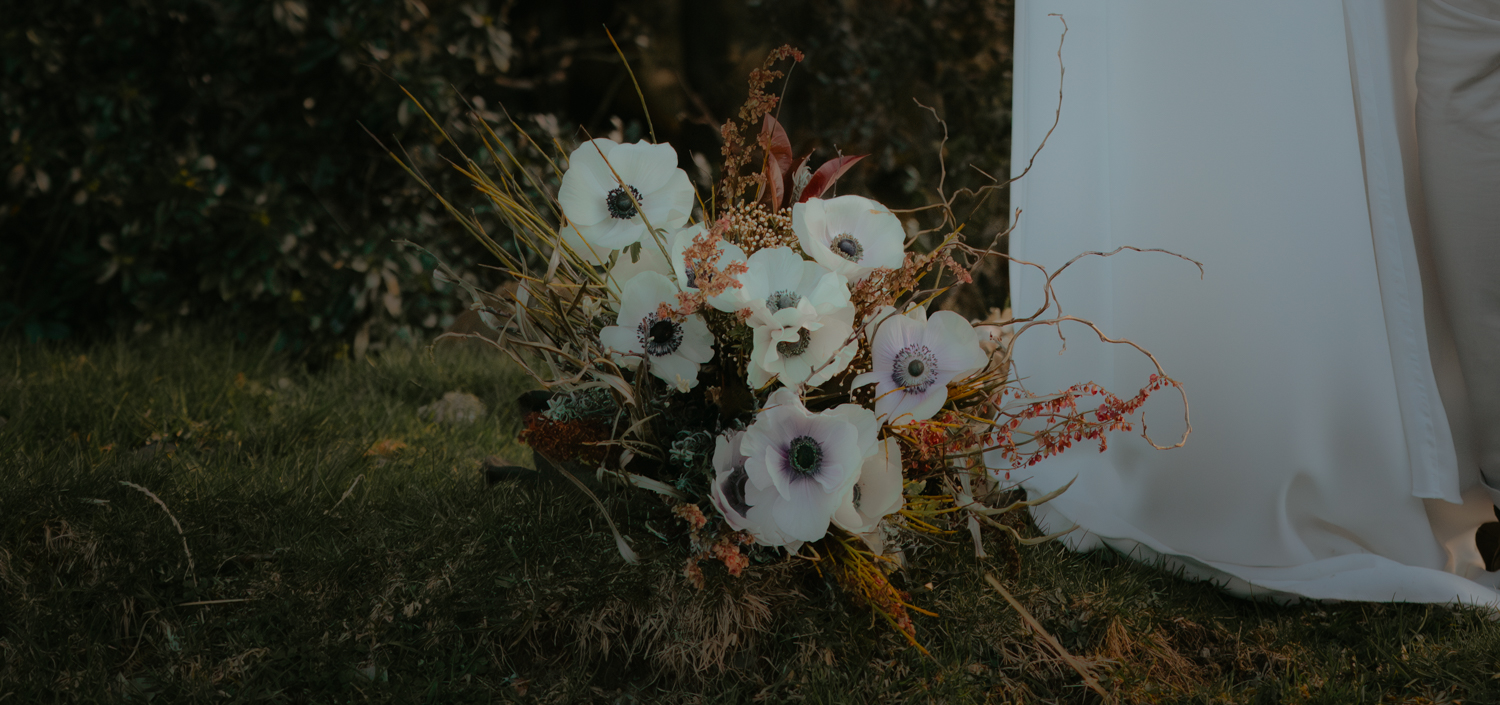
(1273, 142)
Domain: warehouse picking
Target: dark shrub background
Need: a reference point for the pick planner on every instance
(182, 160)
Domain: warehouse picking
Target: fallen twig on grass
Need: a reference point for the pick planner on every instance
(191, 571)
(347, 492)
(1083, 669)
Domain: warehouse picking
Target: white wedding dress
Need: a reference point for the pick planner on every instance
(1272, 141)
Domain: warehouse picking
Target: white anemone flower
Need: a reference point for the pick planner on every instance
(851, 235)
(674, 349)
(745, 506)
(651, 259)
(810, 352)
(878, 492)
(802, 319)
(732, 299)
(604, 212)
(782, 290)
(812, 461)
(914, 357)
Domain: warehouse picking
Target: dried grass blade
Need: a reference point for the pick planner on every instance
(644, 109)
(1083, 669)
(625, 551)
(656, 486)
(180, 534)
(1026, 502)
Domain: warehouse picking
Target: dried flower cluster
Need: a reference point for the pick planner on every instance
(754, 227)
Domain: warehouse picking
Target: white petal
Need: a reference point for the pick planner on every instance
(615, 234)
(761, 440)
(651, 260)
(641, 295)
(847, 214)
(670, 206)
(625, 339)
(581, 200)
(757, 376)
(836, 361)
(843, 454)
(930, 403)
(727, 452)
(781, 267)
(785, 398)
(848, 518)
(697, 341)
(878, 230)
(590, 162)
(757, 449)
(762, 522)
(675, 370)
(724, 468)
(804, 313)
(955, 342)
(881, 482)
(831, 293)
(865, 425)
(810, 224)
(804, 514)
(909, 406)
(580, 247)
(646, 166)
(895, 333)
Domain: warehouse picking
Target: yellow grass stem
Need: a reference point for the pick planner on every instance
(644, 110)
(923, 526)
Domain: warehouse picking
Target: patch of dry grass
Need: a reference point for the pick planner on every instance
(293, 564)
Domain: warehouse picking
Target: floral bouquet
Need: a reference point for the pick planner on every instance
(765, 357)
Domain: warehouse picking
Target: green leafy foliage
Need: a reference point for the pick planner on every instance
(167, 159)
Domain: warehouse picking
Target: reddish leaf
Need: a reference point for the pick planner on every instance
(824, 177)
(778, 149)
(771, 188)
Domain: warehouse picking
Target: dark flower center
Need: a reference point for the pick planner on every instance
(847, 247)
(805, 455)
(659, 336)
(734, 490)
(857, 493)
(795, 348)
(786, 298)
(914, 368)
(619, 203)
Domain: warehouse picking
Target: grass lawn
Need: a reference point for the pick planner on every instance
(184, 521)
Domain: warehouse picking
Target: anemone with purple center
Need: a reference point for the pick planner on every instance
(612, 190)
(744, 506)
(914, 357)
(810, 462)
(673, 349)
